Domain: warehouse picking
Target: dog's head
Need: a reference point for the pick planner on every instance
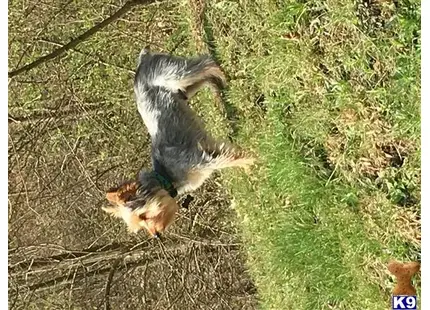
(141, 206)
(401, 270)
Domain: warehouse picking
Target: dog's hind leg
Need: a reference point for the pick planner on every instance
(179, 75)
(200, 72)
(223, 156)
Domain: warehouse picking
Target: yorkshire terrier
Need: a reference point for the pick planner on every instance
(183, 154)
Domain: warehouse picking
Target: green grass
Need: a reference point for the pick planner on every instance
(324, 91)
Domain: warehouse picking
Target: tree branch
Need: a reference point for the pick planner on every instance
(124, 9)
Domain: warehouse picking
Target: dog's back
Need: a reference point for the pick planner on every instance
(163, 85)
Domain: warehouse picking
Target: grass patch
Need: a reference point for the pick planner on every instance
(320, 91)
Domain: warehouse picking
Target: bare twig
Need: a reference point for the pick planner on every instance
(59, 114)
(124, 9)
(109, 282)
(44, 27)
(95, 57)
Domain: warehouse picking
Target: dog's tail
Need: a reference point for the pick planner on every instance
(179, 74)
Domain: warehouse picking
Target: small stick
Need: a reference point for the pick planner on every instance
(109, 282)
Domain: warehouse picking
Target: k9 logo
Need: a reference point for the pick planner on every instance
(404, 302)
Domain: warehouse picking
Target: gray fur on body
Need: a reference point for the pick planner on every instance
(176, 131)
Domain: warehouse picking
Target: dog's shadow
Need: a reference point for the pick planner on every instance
(231, 112)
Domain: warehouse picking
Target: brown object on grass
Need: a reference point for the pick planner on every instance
(404, 273)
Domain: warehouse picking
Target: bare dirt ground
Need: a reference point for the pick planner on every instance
(73, 133)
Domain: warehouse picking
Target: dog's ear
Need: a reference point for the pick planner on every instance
(112, 196)
(123, 193)
(412, 268)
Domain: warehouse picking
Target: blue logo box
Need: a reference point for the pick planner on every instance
(401, 302)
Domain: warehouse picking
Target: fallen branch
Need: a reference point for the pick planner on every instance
(109, 282)
(96, 58)
(33, 275)
(124, 9)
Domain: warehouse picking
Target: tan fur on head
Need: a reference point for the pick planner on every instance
(159, 213)
(154, 216)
